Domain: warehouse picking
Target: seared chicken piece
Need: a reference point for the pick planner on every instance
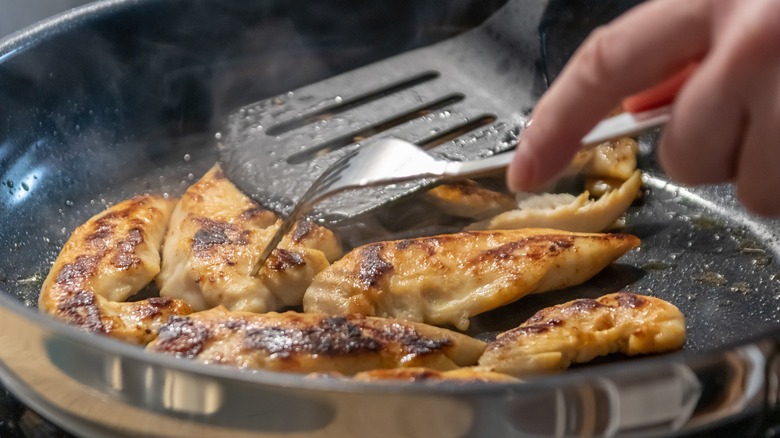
(466, 374)
(613, 159)
(449, 278)
(215, 239)
(115, 253)
(305, 343)
(581, 330)
(107, 259)
(468, 199)
(599, 187)
(136, 322)
(567, 177)
(566, 212)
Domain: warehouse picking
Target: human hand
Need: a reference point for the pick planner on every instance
(725, 120)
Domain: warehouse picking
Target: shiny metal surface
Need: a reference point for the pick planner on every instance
(379, 163)
(100, 388)
(464, 98)
(18, 14)
(134, 110)
(629, 124)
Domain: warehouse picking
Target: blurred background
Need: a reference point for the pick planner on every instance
(16, 14)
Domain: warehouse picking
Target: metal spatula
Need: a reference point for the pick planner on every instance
(388, 160)
(465, 98)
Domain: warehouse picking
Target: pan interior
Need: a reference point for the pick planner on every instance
(129, 115)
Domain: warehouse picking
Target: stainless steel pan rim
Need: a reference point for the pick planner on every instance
(618, 390)
(291, 380)
(28, 36)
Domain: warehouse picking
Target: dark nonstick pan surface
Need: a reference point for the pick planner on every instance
(98, 114)
(103, 105)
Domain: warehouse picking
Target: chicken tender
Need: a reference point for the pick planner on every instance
(567, 212)
(306, 343)
(106, 260)
(214, 241)
(447, 279)
(468, 199)
(613, 159)
(581, 330)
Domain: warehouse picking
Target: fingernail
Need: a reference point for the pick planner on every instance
(522, 170)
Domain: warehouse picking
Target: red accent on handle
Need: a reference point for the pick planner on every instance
(659, 95)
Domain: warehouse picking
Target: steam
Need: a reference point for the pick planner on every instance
(109, 104)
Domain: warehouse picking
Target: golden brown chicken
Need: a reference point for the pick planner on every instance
(447, 279)
(107, 259)
(580, 330)
(465, 374)
(306, 343)
(598, 187)
(613, 159)
(563, 211)
(214, 241)
(470, 200)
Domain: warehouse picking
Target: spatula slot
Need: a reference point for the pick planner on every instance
(457, 131)
(359, 135)
(347, 104)
(277, 147)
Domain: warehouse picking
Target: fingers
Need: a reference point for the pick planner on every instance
(700, 144)
(726, 121)
(661, 94)
(758, 172)
(638, 50)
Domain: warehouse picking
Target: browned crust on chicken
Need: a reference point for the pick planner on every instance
(310, 235)
(215, 239)
(446, 279)
(135, 322)
(567, 212)
(599, 187)
(304, 343)
(613, 159)
(580, 330)
(470, 200)
(107, 259)
(418, 374)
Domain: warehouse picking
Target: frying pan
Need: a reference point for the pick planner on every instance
(124, 96)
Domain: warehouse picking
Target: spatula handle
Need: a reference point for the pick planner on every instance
(609, 129)
(476, 168)
(627, 124)
(646, 109)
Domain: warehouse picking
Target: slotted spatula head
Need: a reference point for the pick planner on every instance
(465, 98)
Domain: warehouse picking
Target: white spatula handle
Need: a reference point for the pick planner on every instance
(609, 129)
(627, 124)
